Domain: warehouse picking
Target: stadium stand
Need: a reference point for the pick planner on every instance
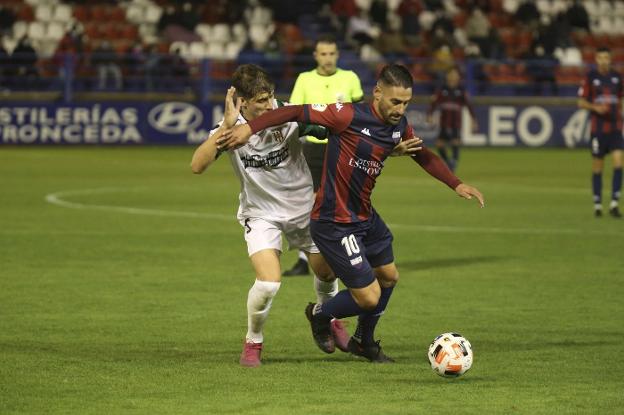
(503, 46)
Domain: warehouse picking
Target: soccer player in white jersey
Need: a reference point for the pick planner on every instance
(276, 198)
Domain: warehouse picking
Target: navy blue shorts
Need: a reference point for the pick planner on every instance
(449, 133)
(352, 250)
(603, 144)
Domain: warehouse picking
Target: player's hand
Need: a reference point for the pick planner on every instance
(232, 109)
(468, 192)
(601, 108)
(408, 147)
(234, 138)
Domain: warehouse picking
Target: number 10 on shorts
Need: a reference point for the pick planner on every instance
(352, 248)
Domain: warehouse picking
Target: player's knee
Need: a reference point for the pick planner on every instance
(389, 281)
(367, 300)
(321, 269)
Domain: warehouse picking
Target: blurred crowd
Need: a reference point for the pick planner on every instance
(165, 53)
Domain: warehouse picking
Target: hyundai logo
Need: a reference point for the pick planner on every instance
(175, 117)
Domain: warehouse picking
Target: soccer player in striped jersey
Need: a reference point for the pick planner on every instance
(601, 94)
(275, 199)
(324, 84)
(350, 234)
(451, 99)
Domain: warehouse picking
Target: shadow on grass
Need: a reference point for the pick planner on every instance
(450, 262)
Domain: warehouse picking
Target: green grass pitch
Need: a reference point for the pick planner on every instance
(123, 283)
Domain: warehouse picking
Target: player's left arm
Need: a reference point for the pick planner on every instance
(433, 165)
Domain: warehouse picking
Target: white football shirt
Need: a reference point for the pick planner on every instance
(276, 184)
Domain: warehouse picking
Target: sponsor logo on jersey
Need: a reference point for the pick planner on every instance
(175, 117)
(339, 106)
(366, 131)
(319, 107)
(371, 167)
(272, 159)
(396, 134)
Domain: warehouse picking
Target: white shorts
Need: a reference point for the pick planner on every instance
(262, 234)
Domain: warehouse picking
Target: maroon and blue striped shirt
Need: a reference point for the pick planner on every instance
(358, 146)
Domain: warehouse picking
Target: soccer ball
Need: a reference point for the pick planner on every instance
(450, 355)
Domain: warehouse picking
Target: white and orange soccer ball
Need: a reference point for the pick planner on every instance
(450, 355)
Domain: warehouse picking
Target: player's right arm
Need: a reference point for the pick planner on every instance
(336, 117)
(208, 152)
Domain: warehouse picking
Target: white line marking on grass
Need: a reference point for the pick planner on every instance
(58, 199)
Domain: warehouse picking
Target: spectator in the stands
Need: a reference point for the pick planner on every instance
(106, 63)
(578, 16)
(379, 13)
(188, 17)
(541, 69)
(360, 30)
(528, 14)
(7, 19)
(478, 28)
(25, 74)
(4, 66)
(344, 10)
(409, 10)
(134, 62)
(153, 68)
(168, 17)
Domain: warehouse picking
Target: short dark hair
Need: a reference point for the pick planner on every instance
(396, 75)
(251, 80)
(325, 38)
(603, 49)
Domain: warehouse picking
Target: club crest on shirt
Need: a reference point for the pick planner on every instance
(319, 107)
(278, 136)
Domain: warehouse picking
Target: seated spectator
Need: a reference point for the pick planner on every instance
(541, 69)
(379, 13)
(4, 66)
(7, 19)
(478, 28)
(578, 17)
(24, 66)
(361, 31)
(528, 14)
(409, 10)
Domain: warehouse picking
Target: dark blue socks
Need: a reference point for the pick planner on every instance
(365, 332)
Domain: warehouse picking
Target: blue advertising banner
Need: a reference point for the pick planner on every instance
(514, 126)
(104, 123)
(176, 122)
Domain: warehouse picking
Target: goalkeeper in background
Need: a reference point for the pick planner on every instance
(326, 84)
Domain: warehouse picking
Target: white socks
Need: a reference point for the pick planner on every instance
(325, 290)
(259, 302)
